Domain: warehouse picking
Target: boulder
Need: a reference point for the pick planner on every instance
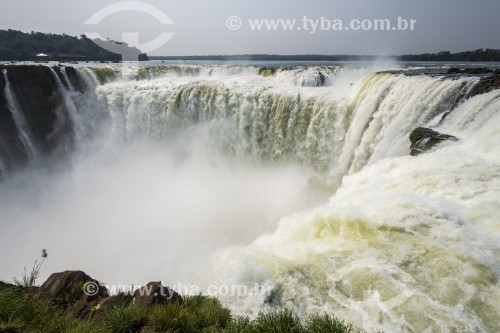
(155, 293)
(424, 139)
(69, 286)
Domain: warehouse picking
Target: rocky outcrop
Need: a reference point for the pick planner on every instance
(42, 105)
(155, 293)
(12, 152)
(43, 108)
(424, 139)
(485, 85)
(314, 79)
(83, 296)
(471, 71)
(74, 291)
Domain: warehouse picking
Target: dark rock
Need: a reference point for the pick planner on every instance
(424, 139)
(316, 79)
(267, 71)
(74, 291)
(485, 85)
(103, 307)
(70, 286)
(12, 151)
(81, 308)
(454, 70)
(43, 107)
(5, 285)
(475, 71)
(72, 76)
(155, 293)
(273, 298)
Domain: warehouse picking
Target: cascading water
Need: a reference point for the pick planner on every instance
(198, 164)
(66, 94)
(21, 124)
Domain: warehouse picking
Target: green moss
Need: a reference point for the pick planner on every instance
(104, 74)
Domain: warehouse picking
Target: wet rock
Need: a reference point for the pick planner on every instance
(314, 79)
(424, 139)
(485, 85)
(12, 151)
(155, 293)
(267, 71)
(273, 299)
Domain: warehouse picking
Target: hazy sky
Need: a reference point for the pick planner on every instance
(200, 25)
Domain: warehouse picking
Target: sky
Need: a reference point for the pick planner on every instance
(201, 27)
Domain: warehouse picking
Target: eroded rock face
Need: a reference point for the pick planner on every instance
(41, 103)
(424, 139)
(12, 152)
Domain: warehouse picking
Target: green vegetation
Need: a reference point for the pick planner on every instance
(19, 46)
(29, 279)
(28, 311)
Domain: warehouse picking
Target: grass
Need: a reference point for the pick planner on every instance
(29, 279)
(22, 311)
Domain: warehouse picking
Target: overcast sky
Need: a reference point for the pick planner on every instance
(200, 25)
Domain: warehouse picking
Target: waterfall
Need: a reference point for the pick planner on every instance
(19, 119)
(67, 80)
(332, 134)
(70, 106)
(295, 179)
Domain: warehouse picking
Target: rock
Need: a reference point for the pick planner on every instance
(102, 308)
(12, 151)
(424, 139)
(155, 293)
(5, 285)
(313, 79)
(70, 286)
(273, 298)
(267, 71)
(480, 70)
(485, 85)
(74, 291)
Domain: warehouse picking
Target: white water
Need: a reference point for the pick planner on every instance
(21, 124)
(212, 179)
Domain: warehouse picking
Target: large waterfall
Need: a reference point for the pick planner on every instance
(293, 178)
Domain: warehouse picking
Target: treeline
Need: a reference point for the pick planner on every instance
(481, 55)
(18, 46)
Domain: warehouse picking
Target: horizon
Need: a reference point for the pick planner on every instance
(387, 28)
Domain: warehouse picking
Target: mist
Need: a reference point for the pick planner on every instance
(134, 212)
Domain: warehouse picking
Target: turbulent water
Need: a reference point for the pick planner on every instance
(297, 179)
